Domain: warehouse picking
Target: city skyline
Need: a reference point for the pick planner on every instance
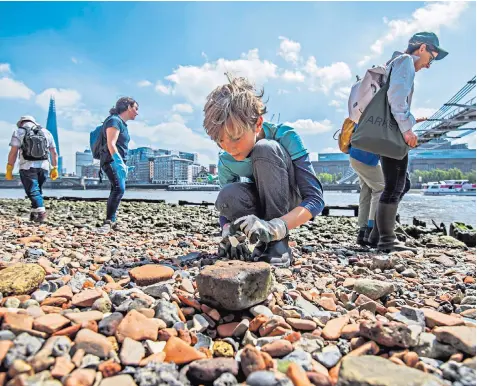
(306, 75)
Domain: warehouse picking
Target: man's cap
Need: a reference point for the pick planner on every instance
(28, 118)
(430, 39)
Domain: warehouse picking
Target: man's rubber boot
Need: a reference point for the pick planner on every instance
(276, 253)
(386, 220)
(361, 236)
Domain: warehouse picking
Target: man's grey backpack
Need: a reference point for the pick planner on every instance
(35, 144)
(364, 90)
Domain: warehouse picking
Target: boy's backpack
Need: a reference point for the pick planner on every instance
(361, 94)
(35, 144)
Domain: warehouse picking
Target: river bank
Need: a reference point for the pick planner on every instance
(129, 308)
(414, 204)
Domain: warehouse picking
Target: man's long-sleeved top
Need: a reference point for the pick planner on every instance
(311, 191)
(401, 89)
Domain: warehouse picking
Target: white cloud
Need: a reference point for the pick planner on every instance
(423, 112)
(6, 130)
(69, 106)
(144, 83)
(160, 87)
(183, 108)
(343, 92)
(177, 118)
(71, 141)
(334, 103)
(365, 60)
(470, 140)
(14, 89)
(81, 119)
(74, 60)
(5, 67)
(282, 91)
(289, 50)
(63, 98)
(308, 126)
(324, 78)
(431, 17)
(330, 149)
(195, 83)
(293, 76)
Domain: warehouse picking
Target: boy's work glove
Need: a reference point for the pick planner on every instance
(54, 173)
(233, 246)
(9, 173)
(260, 230)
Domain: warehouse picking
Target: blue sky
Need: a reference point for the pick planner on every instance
(169, 56)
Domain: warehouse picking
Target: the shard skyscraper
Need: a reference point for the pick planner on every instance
(52, 127)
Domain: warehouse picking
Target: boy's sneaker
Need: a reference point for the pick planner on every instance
(276, 253)
(106, 228)
(34, 216)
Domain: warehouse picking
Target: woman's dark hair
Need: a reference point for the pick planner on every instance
(122, 105)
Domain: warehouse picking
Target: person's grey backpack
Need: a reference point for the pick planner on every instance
(35, 144)
(377, 131)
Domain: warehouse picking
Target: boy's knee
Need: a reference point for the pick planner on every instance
(236, 200)
(224, 196)
(264, 148)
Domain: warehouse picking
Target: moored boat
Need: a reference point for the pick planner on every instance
(449, 187)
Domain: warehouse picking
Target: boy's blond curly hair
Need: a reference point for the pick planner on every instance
(232, 109)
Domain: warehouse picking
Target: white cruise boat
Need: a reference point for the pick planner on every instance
(448, 188)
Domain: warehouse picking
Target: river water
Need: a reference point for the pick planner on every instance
(439, 208)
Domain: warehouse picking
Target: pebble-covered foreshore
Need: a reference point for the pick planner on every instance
(152, 304)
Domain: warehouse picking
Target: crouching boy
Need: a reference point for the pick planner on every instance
(280, 191)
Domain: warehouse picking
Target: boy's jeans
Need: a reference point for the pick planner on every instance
(274, 192)
(118, 187)
(33, 180)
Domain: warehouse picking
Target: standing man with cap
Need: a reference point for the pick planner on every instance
(34, 145)
(423, 49)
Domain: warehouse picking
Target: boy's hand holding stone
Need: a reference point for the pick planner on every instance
(260, 230)
(233, 247)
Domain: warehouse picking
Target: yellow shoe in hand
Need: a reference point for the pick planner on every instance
(9, 174)
(54, 173)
